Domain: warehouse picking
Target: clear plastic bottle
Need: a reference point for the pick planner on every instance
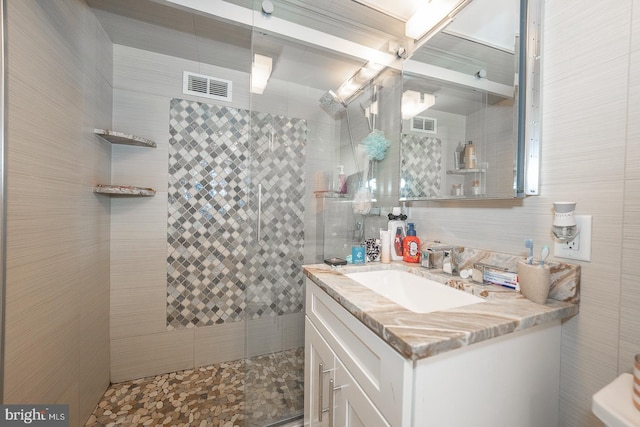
(475, 190)
(470, 159)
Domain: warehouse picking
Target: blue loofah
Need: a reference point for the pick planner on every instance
(376, 145)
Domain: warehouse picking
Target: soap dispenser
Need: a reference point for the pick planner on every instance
(411, 246)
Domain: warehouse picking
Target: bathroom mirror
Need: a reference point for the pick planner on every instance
(475, 80)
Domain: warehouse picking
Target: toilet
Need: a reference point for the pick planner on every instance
(613, 405)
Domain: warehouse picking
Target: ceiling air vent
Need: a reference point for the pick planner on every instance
(206, 86)
(424, 124)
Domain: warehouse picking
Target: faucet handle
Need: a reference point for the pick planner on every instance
(450, 261)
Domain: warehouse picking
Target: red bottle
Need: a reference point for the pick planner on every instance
(397, 242)
(411, 246)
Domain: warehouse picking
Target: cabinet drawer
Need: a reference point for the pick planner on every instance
(383, 374)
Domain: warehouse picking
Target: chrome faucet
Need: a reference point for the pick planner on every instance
(433, 256)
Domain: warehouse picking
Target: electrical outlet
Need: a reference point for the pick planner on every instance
(580, 247)
(573, 245)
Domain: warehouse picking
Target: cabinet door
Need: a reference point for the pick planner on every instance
(319, 370)
(352, 407)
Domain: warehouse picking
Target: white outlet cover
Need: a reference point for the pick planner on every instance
(584, 254)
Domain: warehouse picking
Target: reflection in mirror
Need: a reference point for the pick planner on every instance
(468, 73)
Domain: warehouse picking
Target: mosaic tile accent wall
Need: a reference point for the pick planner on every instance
(421, 166)
(218, 271)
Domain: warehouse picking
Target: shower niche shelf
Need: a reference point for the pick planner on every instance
(123, 190)
(465, 171)
(121, 138)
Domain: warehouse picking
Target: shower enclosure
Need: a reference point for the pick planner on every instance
(295, 146)
(236, 241)
(244, 169)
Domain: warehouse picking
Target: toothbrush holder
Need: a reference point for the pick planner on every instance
(534, 281)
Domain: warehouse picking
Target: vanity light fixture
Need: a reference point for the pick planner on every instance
(429, 15)
(260, 73)
(365, 74)
(414, 102)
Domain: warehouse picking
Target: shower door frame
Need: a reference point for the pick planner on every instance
(3, 183)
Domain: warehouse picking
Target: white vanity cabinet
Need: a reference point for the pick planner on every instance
(334, 397)
(510, 380)
(370, 380)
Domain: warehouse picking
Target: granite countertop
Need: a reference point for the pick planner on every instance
(417, 336)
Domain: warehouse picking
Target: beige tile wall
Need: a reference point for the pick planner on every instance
(144, 83)
(590, 154)
(57, 284)
(630, 292)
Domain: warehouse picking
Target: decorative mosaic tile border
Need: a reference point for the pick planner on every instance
(421, 166)
(218, 271)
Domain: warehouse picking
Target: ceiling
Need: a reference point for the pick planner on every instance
(154, 26)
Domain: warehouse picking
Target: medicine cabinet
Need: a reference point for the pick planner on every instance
(479, 81)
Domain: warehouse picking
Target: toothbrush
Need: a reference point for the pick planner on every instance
(544, 253)
(529, 244)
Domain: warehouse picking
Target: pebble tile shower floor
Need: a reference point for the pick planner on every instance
(211, 396)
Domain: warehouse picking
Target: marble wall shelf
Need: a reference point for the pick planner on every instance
(123, 190)
(123, 138)
(329, 195)
(465, 171)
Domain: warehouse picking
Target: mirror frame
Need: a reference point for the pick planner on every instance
(530, 101)
(529, 114)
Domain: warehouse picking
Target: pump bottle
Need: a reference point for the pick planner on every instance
(411, 250)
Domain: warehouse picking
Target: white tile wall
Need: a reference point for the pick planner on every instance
(220, 343)
(57, 273)
(151, 354)
(630, 292)
(138, 311)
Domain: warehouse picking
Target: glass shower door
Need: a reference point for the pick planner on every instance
(273, 270)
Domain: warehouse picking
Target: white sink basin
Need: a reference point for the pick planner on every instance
(413, 292)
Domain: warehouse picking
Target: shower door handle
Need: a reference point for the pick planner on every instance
(259, 212)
